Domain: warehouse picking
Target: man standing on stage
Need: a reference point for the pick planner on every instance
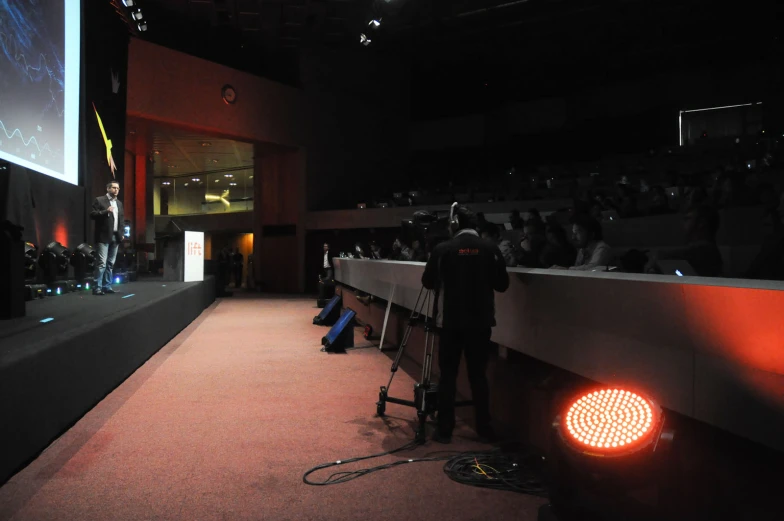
(466, 270)
(108, 216)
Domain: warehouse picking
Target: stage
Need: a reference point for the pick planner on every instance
(53, 371)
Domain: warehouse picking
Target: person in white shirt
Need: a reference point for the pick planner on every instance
(108, 215)
(592, 252)
(327, 270)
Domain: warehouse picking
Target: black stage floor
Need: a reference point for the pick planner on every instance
(79, 309)
(53, 372)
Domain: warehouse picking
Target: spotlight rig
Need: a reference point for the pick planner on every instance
(131, 11)
(608, 444)
(54, 261)
(83, 261)
(33, 290)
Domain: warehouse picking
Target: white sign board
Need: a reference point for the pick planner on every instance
(193, 269)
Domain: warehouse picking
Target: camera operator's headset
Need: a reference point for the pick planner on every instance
(454, 222)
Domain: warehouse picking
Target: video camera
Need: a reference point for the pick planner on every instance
(427, 226)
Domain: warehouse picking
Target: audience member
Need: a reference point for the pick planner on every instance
(660, 203)
(533, 215)
(557, 251)
(592, 251)
(375, 251)
(769, 263)
(700, 224)
(493, 234)
(359, 252)
(418, 253)
(401, 251)
(532, 245)
(481, 222)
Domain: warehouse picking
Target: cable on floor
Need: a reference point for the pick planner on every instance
(515, 471)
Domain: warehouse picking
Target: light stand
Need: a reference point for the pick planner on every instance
(425, 392)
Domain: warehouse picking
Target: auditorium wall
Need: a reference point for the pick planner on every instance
(646, 108)
(344, 131)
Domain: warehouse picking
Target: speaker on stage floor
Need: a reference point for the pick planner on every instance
(329, 314)
(341, 335)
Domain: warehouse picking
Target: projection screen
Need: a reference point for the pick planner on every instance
(39, 85)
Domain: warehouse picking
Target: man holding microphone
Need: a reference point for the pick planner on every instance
(108, 216)
(466, 270)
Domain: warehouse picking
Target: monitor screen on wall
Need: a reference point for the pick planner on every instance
(39, 86)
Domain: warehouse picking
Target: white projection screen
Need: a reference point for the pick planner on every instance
(39, 85)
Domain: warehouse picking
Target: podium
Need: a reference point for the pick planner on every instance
(183, 254)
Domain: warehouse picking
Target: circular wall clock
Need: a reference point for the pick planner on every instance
(229, 94)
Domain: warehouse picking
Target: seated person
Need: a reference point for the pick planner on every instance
(375, 251)
(532, 245)
(557, 250)
(700, 223)
(418, 253)
(660, 203)
(493, 234)
(359, 252)
(592, 251)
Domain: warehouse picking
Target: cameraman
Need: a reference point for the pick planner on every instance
(466, 270)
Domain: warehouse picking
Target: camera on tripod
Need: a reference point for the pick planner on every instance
(427, 225)
(425, 391)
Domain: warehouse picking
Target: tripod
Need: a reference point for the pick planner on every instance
(425, 392)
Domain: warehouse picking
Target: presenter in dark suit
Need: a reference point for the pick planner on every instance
(108, 216)
(467, 271)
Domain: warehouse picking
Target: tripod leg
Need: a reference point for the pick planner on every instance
(384, 391)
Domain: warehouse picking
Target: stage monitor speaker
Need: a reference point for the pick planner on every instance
(341, 335)
(329, 315)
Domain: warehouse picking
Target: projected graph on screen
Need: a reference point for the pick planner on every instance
(39, 85)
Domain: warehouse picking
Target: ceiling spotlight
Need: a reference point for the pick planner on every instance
(128, 3)
(195, 179)
(206, 144)
(228, 175)
(185, 184)
(375, 23)
(217, 180)
(364, 40)
(232, 184)
(166, 183)
(142, 26)
(137, 15)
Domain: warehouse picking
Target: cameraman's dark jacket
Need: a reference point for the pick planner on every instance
(467, 270)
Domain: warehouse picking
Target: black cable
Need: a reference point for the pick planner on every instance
(492, 469)
(498, 470)
(343, 477)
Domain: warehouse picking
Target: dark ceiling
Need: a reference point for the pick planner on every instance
(520, 48)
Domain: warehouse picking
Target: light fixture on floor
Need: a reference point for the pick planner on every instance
(609, 442)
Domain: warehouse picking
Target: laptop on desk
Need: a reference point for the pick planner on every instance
(679, 268)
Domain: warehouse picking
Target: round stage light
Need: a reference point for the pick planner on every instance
(610, 422)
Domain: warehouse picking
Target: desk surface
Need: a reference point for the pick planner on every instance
(709, 348)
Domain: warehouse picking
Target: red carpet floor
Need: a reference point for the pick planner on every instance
(225, 419)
